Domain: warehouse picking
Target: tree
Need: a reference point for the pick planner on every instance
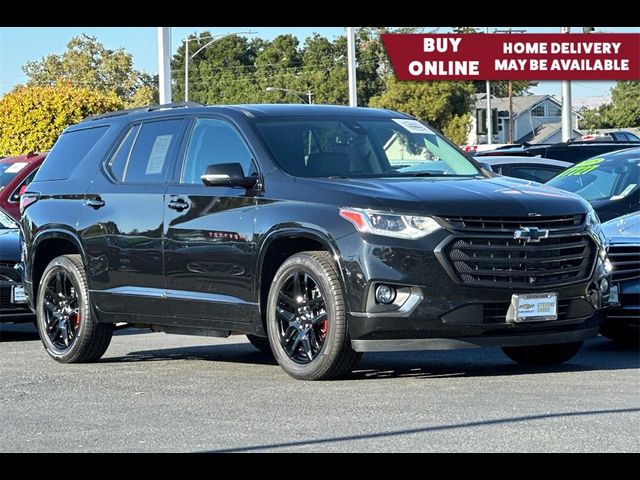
(32, 117)
(625, 98)
(622, 112)
(87, 63)
(445, 105)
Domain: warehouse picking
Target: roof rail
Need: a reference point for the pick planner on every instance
(175, 105)
(151, 108)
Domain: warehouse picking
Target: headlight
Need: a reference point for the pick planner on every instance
(388, 224)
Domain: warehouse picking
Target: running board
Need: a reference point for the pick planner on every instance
(202, 332)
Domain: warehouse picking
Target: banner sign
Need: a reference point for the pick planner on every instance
(517, 56)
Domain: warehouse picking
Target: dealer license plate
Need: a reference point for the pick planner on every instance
(18, 295)
(614, 297)
(538, 307)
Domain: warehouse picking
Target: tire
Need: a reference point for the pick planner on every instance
(623, 335)
(326, 353)
(261, 343)
(91, 339)
(543, 354)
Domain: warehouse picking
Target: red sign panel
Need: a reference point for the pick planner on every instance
(553, 56)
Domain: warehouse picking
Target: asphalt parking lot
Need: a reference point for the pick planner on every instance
(158, 392)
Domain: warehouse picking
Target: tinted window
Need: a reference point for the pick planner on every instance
(8, 171)
(15, 196)
(155, 145)
(213, 142)
(119, 160)
(67, 153)
(535, 173)
(361, 147)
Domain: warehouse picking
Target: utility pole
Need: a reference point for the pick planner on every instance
(510, 30)
(489, 116)
(567, 128)
(164, 64)
(351, 65)
(186, 68)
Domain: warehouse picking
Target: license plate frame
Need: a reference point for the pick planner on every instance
(614, 296)
(533, 307)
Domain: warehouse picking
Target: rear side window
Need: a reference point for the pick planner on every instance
(145, 154)
(67, 153)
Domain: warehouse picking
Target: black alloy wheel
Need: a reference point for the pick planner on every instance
(302, 317)
(61, 310)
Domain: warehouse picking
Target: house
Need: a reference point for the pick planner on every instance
(536, 119)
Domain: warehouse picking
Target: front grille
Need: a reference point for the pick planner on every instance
(626, 262)
(506, 262)
(497, 312)
(511, 224)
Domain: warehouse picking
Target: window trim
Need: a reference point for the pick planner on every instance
(17, 189)
(182, 153)
(123, 135)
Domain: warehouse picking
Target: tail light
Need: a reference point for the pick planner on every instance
(27, 199)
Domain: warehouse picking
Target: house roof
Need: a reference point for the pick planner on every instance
(521, 104)
(543, 132)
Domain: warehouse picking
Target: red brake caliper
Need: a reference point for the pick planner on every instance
(323, 328)
(75, 321)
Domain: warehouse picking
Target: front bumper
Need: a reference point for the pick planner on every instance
(628, 312)
(9, 311)
(440, 312)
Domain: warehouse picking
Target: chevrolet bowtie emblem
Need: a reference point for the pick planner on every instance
(530, 234)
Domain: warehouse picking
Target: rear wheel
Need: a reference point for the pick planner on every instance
(65, 321)
(307, 321)
(261, 343)
(543, 354)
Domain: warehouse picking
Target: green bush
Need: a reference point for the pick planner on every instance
(32, 118)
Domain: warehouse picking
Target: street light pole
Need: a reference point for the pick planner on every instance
(351, 65)
(301, 95)
(187, 57)
(164, 64)
(567, 129)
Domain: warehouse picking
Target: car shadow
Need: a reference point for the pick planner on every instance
(599, 354)
(18, 332)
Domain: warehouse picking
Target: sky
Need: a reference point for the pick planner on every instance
(18, 45)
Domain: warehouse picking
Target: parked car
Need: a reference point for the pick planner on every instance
(336, 251)
(620, 136)
(576, 152)
(611, 182)
(622, 323)
(528, 168)
(15, 174)
(13, 303)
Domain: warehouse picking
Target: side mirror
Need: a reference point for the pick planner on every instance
(486, 166)
(227, 175)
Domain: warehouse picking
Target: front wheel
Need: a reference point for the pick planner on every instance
(543, 354)
(65, 321)
(307, 321)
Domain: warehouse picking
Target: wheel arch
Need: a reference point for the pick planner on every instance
(282, 244)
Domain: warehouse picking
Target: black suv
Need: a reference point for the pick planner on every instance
(307, 228)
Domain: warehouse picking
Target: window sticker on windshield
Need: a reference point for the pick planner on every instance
(158, 154)
(625, 192)
(412, 126)
(16, 167)
(582, 168)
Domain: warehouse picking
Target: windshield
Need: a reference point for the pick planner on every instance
(8, 171)
(604, 178)
(6, 221)
(361, 147)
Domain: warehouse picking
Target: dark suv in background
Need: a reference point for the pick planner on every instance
(320, 232)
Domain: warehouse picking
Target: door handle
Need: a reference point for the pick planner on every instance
(178, 205)
(95, 203)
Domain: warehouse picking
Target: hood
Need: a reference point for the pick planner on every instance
(9, 245)
(499, 196)
(625, 229)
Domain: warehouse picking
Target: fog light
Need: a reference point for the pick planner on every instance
(604, 286)
(385, 294)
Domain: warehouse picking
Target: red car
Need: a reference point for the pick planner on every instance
(16, 172)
